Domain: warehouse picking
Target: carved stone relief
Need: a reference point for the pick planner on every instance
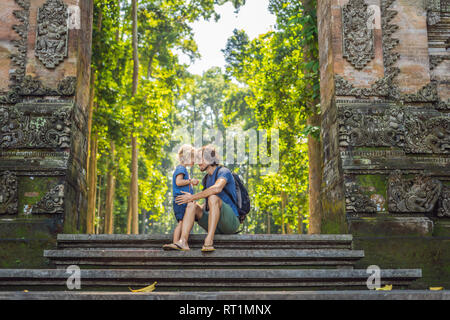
(34, 87)
(417, 195)
(19, 59)
(48, 50)
(433, 11)
(435, 60)
(8, 193)
(356, 201)
(52, 202)
(19, 129)
(386, 86)
(395, 126)
(358, 38)
(444, 203)
(52, 33)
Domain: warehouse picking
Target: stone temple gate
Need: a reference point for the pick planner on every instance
(385, 85)
(385, 106)
(45, 49)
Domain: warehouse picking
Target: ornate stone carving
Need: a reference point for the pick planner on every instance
(443, 106)
(426, 94)
(356, 201)
(384, 87)
(22, 85)
(444, 203)
(8, 193)
(33, 87)
(417, 195)
(358, 39)
(26, 130)
(52, 202)
(52, 33)
(433, 11)
(394, 126)
(19, 59)
(435, 60)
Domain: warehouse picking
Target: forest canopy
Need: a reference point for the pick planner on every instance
(145, 103)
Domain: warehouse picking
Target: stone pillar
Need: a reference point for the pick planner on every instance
(385, 97)
(45, 49)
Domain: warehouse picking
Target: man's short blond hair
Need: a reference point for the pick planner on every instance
(210, 155)
(186, 154)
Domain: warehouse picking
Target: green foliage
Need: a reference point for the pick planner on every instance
(281, 69)
(271, 82)
(163, 32)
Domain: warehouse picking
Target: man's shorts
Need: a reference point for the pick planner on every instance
(228, 221)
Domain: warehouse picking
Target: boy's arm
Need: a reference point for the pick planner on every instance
(215, 189)
(180, 182)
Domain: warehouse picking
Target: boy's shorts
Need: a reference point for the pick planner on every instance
(179, 210)
(228, 221)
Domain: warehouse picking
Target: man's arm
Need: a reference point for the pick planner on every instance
(215, 189)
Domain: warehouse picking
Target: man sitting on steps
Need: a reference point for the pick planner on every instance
(219, 213)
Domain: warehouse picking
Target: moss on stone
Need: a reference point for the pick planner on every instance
(26, 254)
(333, 219)
(432, 255)
(32, 189)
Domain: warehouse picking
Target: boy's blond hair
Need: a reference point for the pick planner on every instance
(186, 154)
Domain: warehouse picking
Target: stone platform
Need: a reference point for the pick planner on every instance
(252, 242)
(204, 280)
(154, 258)
(240, 263)
(232, 295)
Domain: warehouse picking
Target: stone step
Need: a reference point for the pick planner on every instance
(260, 241)
(231, 295)
(157, 258)
(201, 280)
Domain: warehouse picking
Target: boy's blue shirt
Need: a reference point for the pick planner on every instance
(226, 174)
(177, 191)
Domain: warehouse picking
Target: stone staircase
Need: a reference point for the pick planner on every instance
(240, 263)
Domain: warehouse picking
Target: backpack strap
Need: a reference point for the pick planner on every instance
(204, 185)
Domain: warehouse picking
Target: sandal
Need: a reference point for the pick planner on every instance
(170, 247)
(180, 248)
(209, 248)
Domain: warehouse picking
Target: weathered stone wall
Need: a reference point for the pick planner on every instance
(45, 49)
(386, 124)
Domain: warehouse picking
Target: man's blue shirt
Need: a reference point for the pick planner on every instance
(226, 174)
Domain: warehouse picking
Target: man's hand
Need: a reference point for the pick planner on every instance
(184, 198)
(194, 182)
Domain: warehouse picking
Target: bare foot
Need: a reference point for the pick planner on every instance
(182, 245)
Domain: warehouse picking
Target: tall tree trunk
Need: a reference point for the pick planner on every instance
(134, 196)
(314, 147)
(110, 191)
(135, 48)
(129, 215)
(100, 224)
(134, 187)
(90, 113)
(92, 185)
(283, 211)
